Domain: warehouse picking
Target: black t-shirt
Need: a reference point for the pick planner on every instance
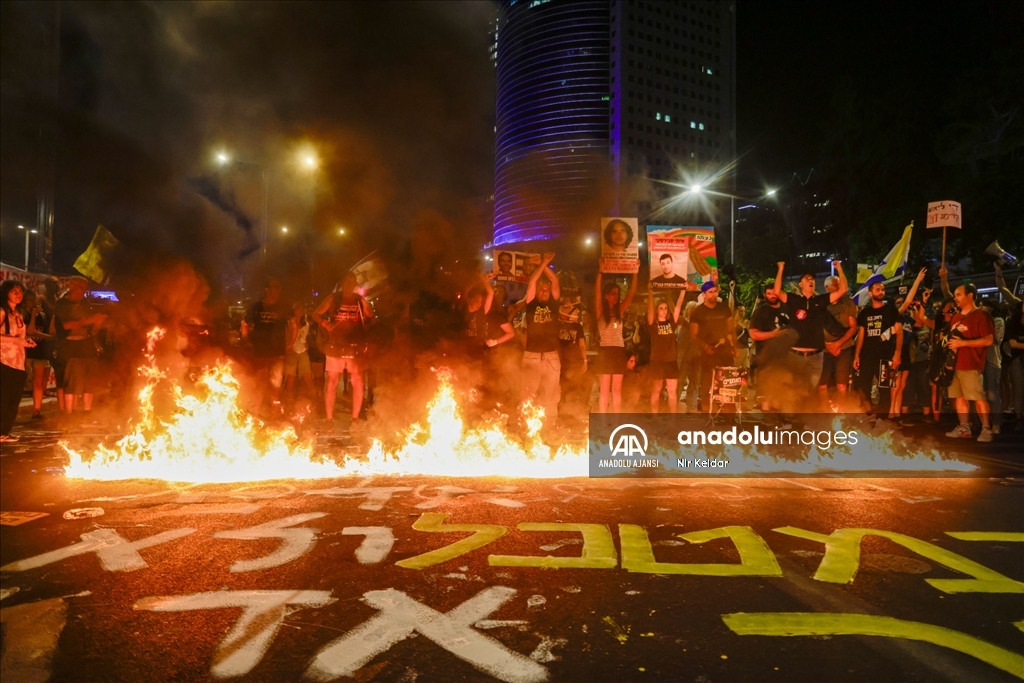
(713, 324)
(663, 341)
(768, 319)
(542, 326)
(1015, 331)
(807, 316)
(569, 335)
(879, 336)
(268, 322)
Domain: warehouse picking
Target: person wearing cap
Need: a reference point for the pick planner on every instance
(840, 331)
(264, 328)
(807, 311)
(711, 325)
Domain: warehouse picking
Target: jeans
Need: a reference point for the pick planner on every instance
(810, 366)
(541, 373)
(993, 393)
(12, 383)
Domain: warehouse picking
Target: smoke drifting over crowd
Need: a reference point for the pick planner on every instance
(395, 100)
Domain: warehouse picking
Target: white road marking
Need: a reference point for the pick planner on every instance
(376, 496)
(116, 554)
(447, 493)
(262, 614)
(797, 483)
(375, 547)
(401, 616)
(294, 542)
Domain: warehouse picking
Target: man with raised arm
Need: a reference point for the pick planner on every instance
(807, 311)
(541, 364)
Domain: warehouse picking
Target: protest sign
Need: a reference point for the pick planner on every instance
(701, 254)
(669, 258)
(944, 214)
(514, 266)
(620, 251)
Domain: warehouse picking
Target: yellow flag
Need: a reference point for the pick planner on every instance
(90, 263)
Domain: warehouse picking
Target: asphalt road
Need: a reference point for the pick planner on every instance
(368, 578)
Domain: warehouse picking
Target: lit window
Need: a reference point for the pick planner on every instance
(700, 126)
(693, 124)
(709, 72)
(658, 116)
(668, 119)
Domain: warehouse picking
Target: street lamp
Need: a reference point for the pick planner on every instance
(698, 189)
(224, 160)
(33, 231)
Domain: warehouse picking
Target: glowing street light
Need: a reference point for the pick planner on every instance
(770, 193)
(284, 228)
(696, 188)
(222, 158)
(589, 241)
(341, 231)
(33, 231)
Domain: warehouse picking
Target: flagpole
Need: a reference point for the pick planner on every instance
(943, 246)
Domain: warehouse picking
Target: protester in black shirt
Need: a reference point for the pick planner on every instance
(264, 327)
(573, 382)
(768, 322)
(807, 312)
(541, 364)
(712, 327)
(879, 343)
(664, 368)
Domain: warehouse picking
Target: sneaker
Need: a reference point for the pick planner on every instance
(985, 436)
(960, 432)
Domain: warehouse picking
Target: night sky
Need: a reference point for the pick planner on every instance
(905, 55)
(398, 99)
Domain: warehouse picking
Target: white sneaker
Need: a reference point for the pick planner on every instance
(985, 436)
(961, 432)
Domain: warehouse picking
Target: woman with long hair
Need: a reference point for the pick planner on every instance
(13, 343)
(663, 325)
(611, 353)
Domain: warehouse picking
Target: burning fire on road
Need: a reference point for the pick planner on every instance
(206, 436)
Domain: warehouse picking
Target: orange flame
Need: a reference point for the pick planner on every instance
(208, 438)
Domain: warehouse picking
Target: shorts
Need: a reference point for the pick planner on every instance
(664, 370)
(967, 384)
(32, 363)
(80, 376)
(836, 365)
(297, 364)
(611, 360)
(339, 365)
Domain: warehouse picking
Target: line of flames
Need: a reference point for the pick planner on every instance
(209, 438)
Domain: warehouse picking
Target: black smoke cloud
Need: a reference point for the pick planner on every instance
(395, 97)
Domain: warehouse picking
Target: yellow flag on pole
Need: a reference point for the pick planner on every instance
(91, 262)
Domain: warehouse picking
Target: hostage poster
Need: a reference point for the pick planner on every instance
(701, 255)
(669, 258)
(514, 266)
(620, 251)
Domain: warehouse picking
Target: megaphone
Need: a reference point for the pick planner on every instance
(1005, 258)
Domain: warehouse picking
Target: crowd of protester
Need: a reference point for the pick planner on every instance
(919, 356)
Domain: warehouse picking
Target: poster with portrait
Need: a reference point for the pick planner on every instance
(701, 255)
(669, 258)
(620, 251)
(514, 266)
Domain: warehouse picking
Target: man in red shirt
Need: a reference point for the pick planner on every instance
(971, 333)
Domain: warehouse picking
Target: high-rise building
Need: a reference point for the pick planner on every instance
(603, 102)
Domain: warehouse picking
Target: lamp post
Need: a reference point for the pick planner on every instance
(28, 232)
(223, 159)
(697, 189)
